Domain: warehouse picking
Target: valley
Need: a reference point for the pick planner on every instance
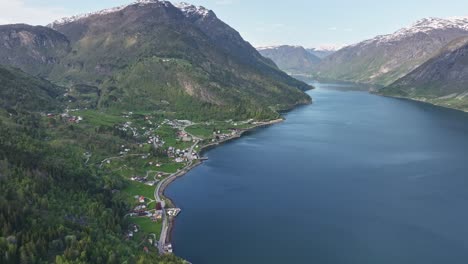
(110, 123)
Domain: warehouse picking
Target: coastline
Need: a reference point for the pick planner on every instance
(372, 90)
(422, 100)
(184, 171)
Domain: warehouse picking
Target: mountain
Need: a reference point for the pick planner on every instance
(34, 49)
(384, 59)
(442, 80)
(323, 51)
(152, 55)
(21, 91)
(291, 59)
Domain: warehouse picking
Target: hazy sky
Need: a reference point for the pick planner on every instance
(269, 22)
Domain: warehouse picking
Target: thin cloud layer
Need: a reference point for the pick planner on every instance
(17, 11)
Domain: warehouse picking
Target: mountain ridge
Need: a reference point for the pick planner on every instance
(291, 59)
(386, 58)
(442, 80)
(196, 60)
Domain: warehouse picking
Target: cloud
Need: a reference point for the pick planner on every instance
(17, 11)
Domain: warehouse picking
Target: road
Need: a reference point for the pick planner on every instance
(157, 197)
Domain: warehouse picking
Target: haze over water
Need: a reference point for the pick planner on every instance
(353, 178)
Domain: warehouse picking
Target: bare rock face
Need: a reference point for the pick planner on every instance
(34, 49)
(444, 76)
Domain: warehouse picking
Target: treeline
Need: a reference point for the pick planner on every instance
(54, 209)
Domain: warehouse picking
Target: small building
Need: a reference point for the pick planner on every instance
(158, 206)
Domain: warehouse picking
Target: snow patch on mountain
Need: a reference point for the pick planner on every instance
(425, 25)
(328, 47)
(190, 10)
(71, 19)
(277, 47)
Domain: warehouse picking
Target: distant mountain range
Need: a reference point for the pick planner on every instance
(324, 50)
(384, 59)
(424, 61)
(154, 55)
(296, 60)
(291, 59)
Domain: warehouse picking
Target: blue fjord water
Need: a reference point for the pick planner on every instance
(352, 178)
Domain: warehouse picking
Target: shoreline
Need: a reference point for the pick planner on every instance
(187, 169)
(423, 101)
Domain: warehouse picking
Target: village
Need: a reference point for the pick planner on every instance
(153, 151)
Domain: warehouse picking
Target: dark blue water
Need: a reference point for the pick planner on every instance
(353, 178)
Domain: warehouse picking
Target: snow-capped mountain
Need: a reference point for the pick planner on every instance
(171, 50)
(275, 47)
(186, 8)
(444, 75)
(442, 80)
(425, 26)
(330, 48)
(189, 9)
(398, 53)
(324, 50)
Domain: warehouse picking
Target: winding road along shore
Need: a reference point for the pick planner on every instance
(159, 196)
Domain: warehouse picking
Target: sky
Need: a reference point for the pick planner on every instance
(307, 23)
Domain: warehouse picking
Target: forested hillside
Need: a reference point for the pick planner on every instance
(54, 208)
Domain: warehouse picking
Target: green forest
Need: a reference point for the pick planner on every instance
(54, 208)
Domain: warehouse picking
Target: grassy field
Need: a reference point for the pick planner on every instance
(97, 119)
(201, 131)
(171, 167)
(136, 188)
(205, 131)
(147, 225)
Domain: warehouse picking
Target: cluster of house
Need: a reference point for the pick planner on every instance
(219, 136)
(143, 180)
(132, 229)
(124, 150)
(168, 248)
(177, 123)
(141, 210)
(181, 155)
(66, 116)
(156, 140)
(173, 212)
(184, 136)
(127, 126)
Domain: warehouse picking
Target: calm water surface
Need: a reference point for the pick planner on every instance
(353, 178)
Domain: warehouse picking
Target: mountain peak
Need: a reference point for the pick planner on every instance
(329, 47)
(189, 9)
(278, 47)
(74, 18)
(424, 25)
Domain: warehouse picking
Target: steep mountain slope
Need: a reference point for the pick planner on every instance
(291, 59)
(154, 55)
(21, 91)
(384, 59)
(441, 80)
(34, 49)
